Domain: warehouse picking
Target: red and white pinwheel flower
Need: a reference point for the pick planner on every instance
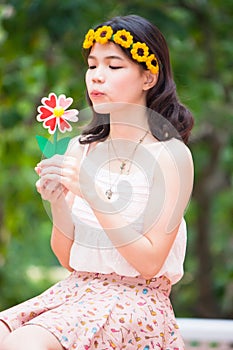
(54, 114)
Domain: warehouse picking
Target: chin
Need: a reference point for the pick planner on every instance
(108, 108)
(102, 108)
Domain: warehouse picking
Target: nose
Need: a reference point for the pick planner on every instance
(98, 76)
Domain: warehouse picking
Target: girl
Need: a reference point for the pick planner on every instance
(117, 199)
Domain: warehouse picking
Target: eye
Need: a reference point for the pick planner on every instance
(115, 67)
(91, 67)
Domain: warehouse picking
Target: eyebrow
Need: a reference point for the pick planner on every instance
(107, 57)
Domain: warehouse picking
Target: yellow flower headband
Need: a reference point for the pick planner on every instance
(138, 50)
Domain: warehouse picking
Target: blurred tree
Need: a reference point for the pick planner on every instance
(40, 52)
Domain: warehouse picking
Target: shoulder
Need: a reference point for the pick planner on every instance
(174, 164)
(75, 147)
(176, 154)
(81, 151)
(172, 181)
(168, 152)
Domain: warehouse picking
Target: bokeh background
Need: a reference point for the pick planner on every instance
(40, 52)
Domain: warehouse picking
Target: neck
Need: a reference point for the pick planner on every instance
(129, 123)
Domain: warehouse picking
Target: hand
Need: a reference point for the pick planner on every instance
(59, 173)
(50, 190)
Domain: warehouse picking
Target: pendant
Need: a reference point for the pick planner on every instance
(123, 164)
(109, 193)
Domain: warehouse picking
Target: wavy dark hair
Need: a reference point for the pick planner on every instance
(162, 98)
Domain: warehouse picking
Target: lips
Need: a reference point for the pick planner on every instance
(96, 93)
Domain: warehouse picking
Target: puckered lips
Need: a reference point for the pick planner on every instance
(96, 94)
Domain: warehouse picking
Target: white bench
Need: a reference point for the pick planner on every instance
(203, 334)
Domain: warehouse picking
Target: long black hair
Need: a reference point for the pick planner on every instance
(162, 98)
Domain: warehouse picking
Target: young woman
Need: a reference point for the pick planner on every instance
(118, 198)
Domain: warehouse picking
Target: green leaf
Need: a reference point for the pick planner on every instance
(62, 145)
(46, 147)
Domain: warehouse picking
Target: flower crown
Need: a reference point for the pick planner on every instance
(138, 50)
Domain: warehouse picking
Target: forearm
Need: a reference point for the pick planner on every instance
(135, 247)
(61, 246)
(162, 214)
(62, 218)
(62, 232)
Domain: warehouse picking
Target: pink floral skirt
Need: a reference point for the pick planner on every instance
(99, 311)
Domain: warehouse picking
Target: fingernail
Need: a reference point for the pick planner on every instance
(38, 170)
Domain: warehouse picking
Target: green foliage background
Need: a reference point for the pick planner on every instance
(40, 52)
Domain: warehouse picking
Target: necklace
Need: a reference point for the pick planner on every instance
(123, 163)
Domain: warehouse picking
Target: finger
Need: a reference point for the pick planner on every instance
(57, 178)
(42, 187)
(62, 171)
(56, 159)
(64, 180)
(52, 194)
(37, 170)
(51, 170)
(38, 185)
(52, 186)
(66, 167)
(56, 194)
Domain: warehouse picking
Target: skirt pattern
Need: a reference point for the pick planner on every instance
(98, 311)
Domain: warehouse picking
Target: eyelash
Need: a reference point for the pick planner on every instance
(112, 67)
(115, 67)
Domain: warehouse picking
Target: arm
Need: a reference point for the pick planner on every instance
(62, 232)
(61, 202)
(147, 252)
(63, 228)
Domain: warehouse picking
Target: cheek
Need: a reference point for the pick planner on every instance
(87, 79)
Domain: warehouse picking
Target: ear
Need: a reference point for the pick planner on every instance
(150, 80)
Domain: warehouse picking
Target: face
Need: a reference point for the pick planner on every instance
(113, 78)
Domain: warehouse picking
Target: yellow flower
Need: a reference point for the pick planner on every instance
(89, 39)
(140, 51)
(103, 34)
(152, 64)
(123, 38)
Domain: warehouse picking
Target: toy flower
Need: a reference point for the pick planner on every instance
(123, 38)
(140, 51)
(103, 34)
(55, 116)
(152, 64)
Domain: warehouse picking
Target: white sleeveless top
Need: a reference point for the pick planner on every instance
(93, 251)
